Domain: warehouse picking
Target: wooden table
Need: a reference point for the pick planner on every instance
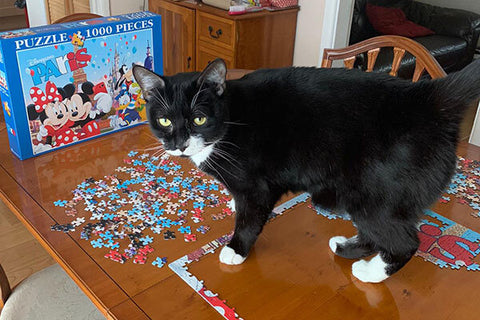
(289, 273)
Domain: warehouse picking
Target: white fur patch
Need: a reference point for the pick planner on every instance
(335, 241)
(201, 155)
(174, 152)
(196, 150)
(228, 256)
(231, 204)
(370, 271)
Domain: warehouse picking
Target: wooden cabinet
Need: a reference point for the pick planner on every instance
(57, 9)
(195, 34)
(12, 18)
(178, 33)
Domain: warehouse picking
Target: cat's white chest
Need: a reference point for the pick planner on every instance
(201, 156)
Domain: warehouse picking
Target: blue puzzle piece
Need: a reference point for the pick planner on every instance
(60, 203)
(159, 262)
(97, 243)
(146, 240)
(185, 230)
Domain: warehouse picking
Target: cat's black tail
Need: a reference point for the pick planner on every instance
(458, 90)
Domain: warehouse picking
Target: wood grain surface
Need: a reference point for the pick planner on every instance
(290, 274)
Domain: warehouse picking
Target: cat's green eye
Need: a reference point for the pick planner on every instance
(164, 122)
(200, 121)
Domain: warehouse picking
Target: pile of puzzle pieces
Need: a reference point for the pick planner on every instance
(465, 185)
(148, 196)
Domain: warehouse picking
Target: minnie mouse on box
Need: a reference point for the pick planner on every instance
(49, 108)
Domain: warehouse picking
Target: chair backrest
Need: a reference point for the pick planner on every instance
(77, 17)
(5, 289)
(424, 61)
(233, 74)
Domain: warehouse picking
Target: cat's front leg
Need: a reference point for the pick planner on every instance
(251, 216)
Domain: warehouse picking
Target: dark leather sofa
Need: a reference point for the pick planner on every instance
(453, 44)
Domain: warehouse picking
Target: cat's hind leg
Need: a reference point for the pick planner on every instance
(324, 198)
(396, 241)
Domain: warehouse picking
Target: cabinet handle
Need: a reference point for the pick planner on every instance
(218, 32)
(188, 62)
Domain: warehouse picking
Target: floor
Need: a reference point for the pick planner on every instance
(20, 254)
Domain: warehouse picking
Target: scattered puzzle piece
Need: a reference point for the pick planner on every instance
(465, 185)
(169, 235)
(159, 262)
(189, 237)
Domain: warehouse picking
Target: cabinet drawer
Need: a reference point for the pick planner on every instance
(205, 55)
(215, 30)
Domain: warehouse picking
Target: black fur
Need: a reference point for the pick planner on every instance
(378, 147)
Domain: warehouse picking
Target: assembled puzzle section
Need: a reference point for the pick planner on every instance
(62, 84)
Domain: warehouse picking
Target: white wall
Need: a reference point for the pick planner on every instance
(127, 6)
(309, 32)
(101, 7)
(37, 15)
(321, 24)
(336, 26)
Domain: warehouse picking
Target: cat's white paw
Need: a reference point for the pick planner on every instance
(335, 241)
(231, 204)
(228, 256)
(370, 271)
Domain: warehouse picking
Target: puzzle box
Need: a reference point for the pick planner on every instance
(65, 83)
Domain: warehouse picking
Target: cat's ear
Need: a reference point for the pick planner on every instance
(215, 74)
(147, 80)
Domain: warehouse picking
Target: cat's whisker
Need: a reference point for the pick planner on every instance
(227, 157)
(228, 142)
(153, 137)
(236, 123)
(201, 113)
(161, 100)
(207, 162)
(159, 153)
(153, 144)
(154, 148)
(227, 171)
(195, 97)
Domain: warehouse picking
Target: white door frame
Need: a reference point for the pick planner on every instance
(37, 14)
(337, 21)
(101, 7)
(475, 135)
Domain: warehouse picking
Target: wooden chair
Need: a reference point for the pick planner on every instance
(48, 294)
(77, 17)
(233, 74)
(424, 60)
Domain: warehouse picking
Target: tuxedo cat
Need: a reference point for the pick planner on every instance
(380, 148)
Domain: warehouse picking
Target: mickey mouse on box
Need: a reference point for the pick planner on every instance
(74, 79)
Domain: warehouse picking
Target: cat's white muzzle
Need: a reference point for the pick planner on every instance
(196, 150)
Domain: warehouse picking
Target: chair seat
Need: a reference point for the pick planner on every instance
(49, 294)
(447, 50)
